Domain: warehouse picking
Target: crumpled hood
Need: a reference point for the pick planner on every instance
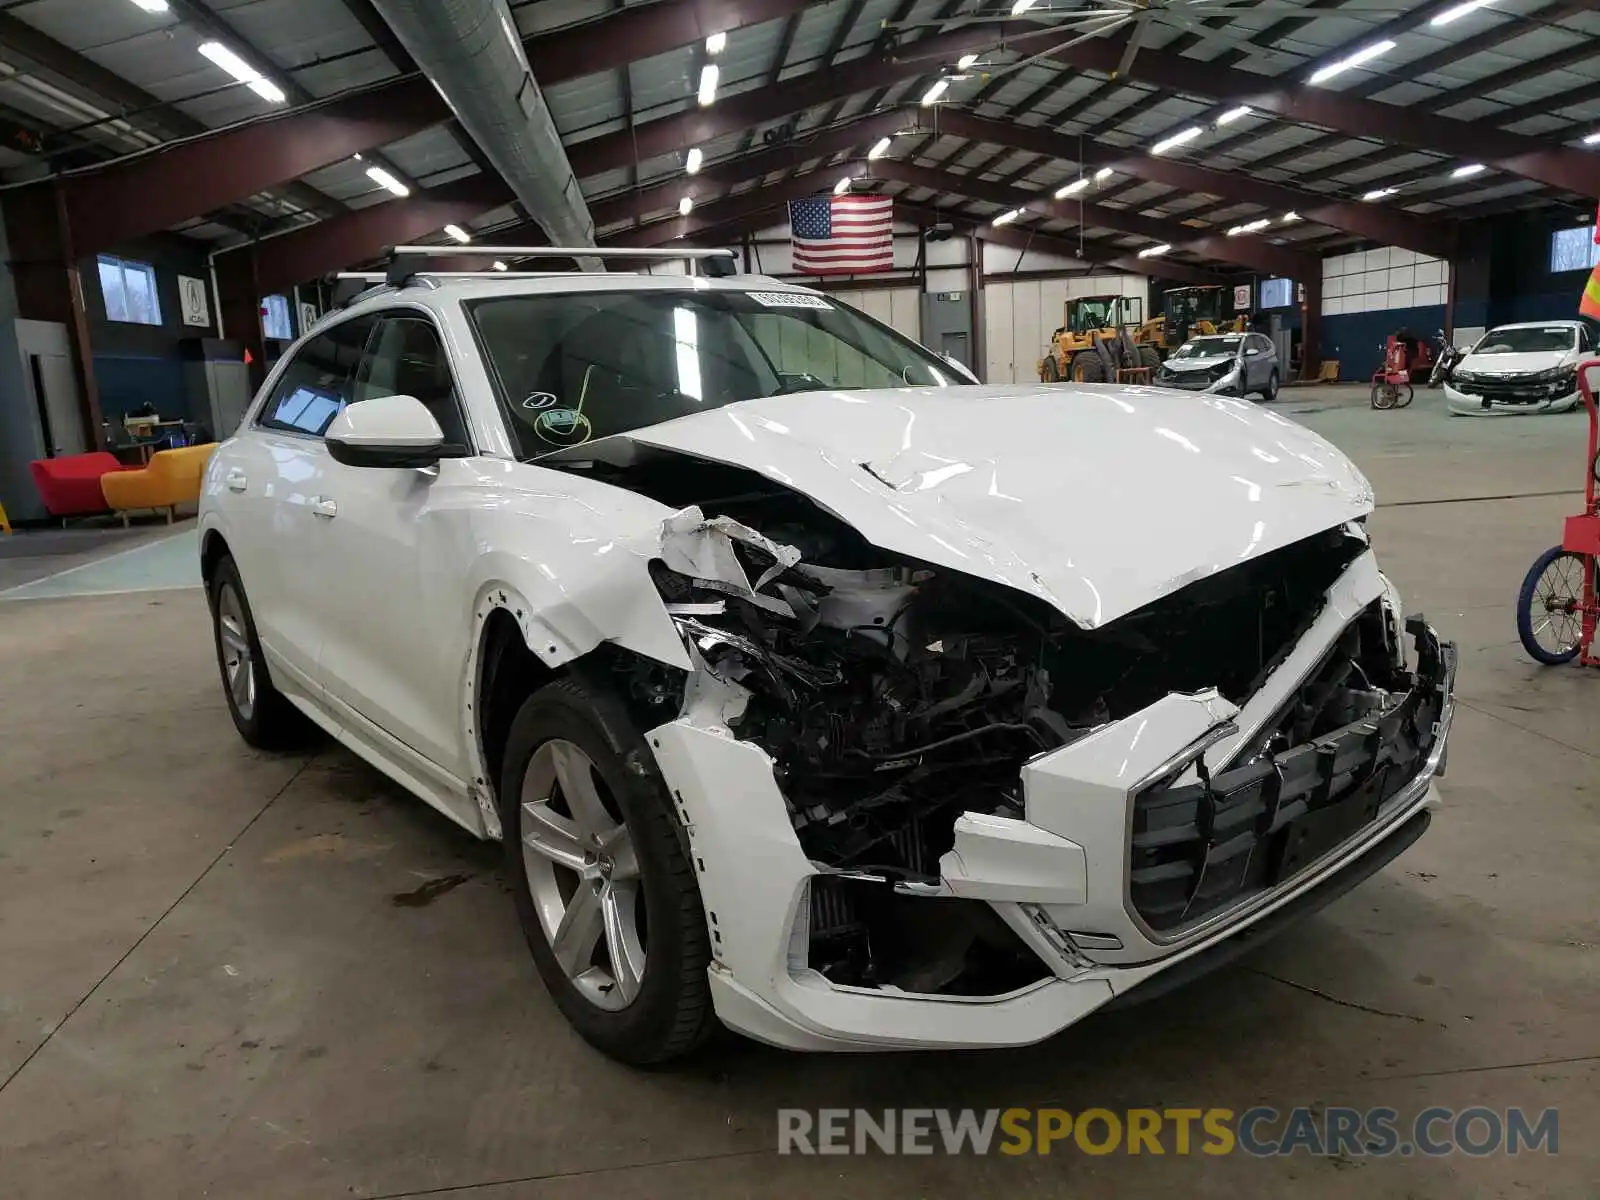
(1516, 364)
(1100, 499)
(1200, 362)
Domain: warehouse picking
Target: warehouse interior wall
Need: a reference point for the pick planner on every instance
(1369, 294)
(134, 363)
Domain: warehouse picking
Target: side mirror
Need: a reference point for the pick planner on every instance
(1251, 352)
(386, 431)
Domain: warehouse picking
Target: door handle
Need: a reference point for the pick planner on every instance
(322, 506)
(236, 481)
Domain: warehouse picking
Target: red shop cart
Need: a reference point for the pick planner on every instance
(1557, 610)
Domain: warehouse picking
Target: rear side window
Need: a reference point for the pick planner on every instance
(407, 358)
(315, 386)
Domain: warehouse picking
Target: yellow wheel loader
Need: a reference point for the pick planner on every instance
(1073, 354)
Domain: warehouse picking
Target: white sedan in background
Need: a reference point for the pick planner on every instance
(1518, 370)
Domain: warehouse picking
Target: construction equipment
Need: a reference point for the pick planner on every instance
(1091, 320)
(1196, 312)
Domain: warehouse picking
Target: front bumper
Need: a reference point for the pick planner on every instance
(1060, 879)
(1201, 381)
(1508, 400)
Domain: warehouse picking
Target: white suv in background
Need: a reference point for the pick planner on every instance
(806, 688)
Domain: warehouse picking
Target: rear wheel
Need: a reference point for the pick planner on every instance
(1270, 392)
(604, 891)
(1550, 606)
(1087, 368)
(261, 713)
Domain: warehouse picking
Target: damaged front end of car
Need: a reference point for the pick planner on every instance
(979, 797)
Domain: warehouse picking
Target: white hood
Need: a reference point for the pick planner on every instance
(1100, 499)
(1516, 364)
(1199, 362)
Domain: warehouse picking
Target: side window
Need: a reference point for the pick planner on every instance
(406, 358)
(315, 386)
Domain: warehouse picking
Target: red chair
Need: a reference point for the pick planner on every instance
(70, 485)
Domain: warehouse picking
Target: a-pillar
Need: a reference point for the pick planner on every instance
(239, 305)
(47, 285)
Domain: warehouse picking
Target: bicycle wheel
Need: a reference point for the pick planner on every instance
(1550, 606)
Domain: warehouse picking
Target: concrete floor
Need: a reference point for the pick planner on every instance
(215, 979)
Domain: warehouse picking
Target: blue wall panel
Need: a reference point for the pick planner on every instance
(1358, 340)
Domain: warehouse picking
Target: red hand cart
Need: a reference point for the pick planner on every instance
(1557, 610)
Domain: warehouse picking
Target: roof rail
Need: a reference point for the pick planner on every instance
(716, 263)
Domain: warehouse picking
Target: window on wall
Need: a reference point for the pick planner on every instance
(275, 319)
(1574, 249)
(129, 289)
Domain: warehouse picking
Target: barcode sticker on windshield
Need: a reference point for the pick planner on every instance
(789, 300)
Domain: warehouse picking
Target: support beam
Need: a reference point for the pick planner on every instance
(1425, 235)
(1246, 251)
(301, 254)
(757, 210)
(140, 194)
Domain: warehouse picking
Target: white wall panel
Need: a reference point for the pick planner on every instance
(1381, 279)
(997, 333)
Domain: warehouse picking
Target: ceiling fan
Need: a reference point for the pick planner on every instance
(1098, 18)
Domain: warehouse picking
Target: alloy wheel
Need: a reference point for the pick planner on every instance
(238, 664)
(583, 874)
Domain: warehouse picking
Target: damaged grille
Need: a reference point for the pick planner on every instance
(1352, 736)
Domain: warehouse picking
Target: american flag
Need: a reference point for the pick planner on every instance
(842, 235)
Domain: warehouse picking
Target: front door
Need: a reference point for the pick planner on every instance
(384, 546)
(275, 476)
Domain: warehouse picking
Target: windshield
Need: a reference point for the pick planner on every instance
(1527, 340)
(580, 366)
(1094, 312)
(1206, 347)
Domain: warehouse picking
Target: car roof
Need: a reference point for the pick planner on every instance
(1537, 325)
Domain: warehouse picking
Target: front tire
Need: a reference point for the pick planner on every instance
(1550, 607)
(263, 716)
(1087, 367)
(1150, 357)
(604, 890)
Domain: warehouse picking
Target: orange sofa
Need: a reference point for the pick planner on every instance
(171, 478)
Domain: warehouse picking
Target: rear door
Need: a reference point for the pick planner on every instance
(273, 476)
(386, 553)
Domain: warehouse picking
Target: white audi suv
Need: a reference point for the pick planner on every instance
(810, 687)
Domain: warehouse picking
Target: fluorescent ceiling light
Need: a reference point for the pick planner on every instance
(1077, 185)
(1249, 226)
(1467, 171)
(1152, 251)
(1365, 54)
(384, 179)
(842, 186)
(1234, 114)
(691, 162)
(1103, 174)
(1021, 6)
(1592, 139)
(458, 233)
(716, 42)
(499, 266)
(1289, 218)
(1459, 11)
(880, 148)
(1177, 139)
(708, 84)
(152, 6)
(1006, 218)
(940, 86)
(242, 71)
(685, 206)
(1380, 193)
(965, 61)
